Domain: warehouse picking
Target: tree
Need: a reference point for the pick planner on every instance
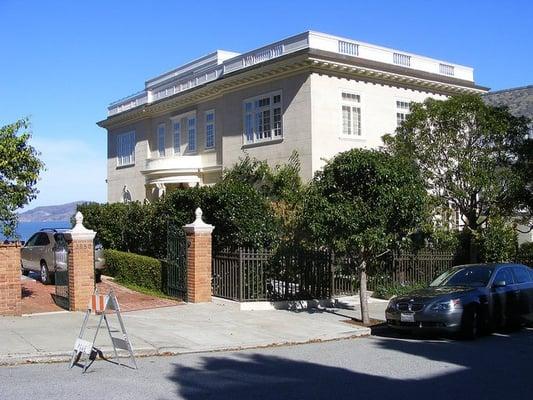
(363, 204)
(19, 171)
(468, 154)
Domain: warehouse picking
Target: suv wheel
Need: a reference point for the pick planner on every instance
(46, 278)
(25, 272)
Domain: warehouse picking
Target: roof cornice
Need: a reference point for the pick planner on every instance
(307, 60)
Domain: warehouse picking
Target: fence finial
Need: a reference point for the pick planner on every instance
(199, 225)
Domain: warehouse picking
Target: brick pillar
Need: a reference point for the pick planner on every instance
(10, 288)
(198, 260)
(80, 265)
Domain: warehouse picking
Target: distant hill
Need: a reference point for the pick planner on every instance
(62, 212)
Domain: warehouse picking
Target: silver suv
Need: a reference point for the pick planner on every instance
(46, 252)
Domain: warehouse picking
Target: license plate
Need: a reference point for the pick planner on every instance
(407, 317)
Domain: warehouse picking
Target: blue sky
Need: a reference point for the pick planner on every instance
(62, 62)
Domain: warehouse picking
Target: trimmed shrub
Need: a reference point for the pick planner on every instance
(388, 291)
(497, 241)
(525, 254)
(135, 269)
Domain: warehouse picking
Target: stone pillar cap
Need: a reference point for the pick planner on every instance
(80, 232)
(198, 226)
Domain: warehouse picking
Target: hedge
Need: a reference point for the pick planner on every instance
(135, 269)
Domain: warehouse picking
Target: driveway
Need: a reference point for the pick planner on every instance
(37, 298)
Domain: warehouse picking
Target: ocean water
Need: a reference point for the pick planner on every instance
(26, 229)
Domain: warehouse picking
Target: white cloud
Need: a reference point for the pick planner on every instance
(75, 170)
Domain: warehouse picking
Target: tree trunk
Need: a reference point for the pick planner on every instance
(362, 294)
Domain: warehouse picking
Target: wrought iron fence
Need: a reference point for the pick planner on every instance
(291, 274)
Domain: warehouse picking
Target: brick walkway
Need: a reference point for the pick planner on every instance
(37, 298)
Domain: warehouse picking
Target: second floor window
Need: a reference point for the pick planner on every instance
(402, 110)
(209, 129)
(191, 133)
(126, 149)
(176, 134)
(351, 114)
(161, 140)
(262, 119)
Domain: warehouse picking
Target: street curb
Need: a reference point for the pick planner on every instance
(58, 357)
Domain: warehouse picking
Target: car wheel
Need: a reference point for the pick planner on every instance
(470, 325)
(45, 274)
(98, 276)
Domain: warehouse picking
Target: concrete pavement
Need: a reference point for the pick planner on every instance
(189, 328)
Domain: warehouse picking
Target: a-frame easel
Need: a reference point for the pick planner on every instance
(84, 349)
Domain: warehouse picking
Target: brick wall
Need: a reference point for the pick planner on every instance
(199, 267)
(80, 273)
(10, 288)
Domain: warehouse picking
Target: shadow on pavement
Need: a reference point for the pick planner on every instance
(495, 367)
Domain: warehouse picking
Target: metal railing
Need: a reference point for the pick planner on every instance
(296, 274)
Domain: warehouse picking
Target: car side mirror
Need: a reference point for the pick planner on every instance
(498, 284)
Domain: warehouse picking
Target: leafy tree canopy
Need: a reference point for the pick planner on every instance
(19, 171)
(472, 156)
(363, 203)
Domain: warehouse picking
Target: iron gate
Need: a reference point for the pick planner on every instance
(61, 297)
(176, 262)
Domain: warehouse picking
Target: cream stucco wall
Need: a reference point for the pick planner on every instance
(311, 118)
(296, 122)
(378, 113)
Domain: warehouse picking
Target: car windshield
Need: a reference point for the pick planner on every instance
(464, 276)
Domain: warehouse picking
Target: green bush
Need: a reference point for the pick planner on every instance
(134, 269)
(497, 241)
(388, 291)
(525, 254)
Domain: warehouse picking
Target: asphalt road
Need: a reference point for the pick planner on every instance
(380, 367)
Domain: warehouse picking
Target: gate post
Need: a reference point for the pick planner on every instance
(198, 260)
(80, 264)
(10, 287)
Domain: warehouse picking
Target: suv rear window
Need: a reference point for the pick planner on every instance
(521, 274)
(42, 240)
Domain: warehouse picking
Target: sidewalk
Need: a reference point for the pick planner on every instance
(177, 330)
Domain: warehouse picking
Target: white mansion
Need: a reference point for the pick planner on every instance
(314, 93)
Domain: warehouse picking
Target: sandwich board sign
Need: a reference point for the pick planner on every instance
(85, 349)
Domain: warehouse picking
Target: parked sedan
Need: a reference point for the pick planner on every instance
(467, 299)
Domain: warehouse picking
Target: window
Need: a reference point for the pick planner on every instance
(505, 276)
(126, 149)
(402, 110)
(42, 240)
(209, 129)
(351, 114)
(176, 136)
(161, 140)
(191, 133)
(521, 274)
(263, 118)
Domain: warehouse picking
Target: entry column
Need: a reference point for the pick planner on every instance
(198, 260)
(80, 265)
(10, 287)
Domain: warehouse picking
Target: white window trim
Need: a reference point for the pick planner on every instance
(180, 118)
(272, 138)
(188, 148)
(119, 157)
(401, 110)
(206, 113)
(174, 120)
(159, 126)
(342, 136)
